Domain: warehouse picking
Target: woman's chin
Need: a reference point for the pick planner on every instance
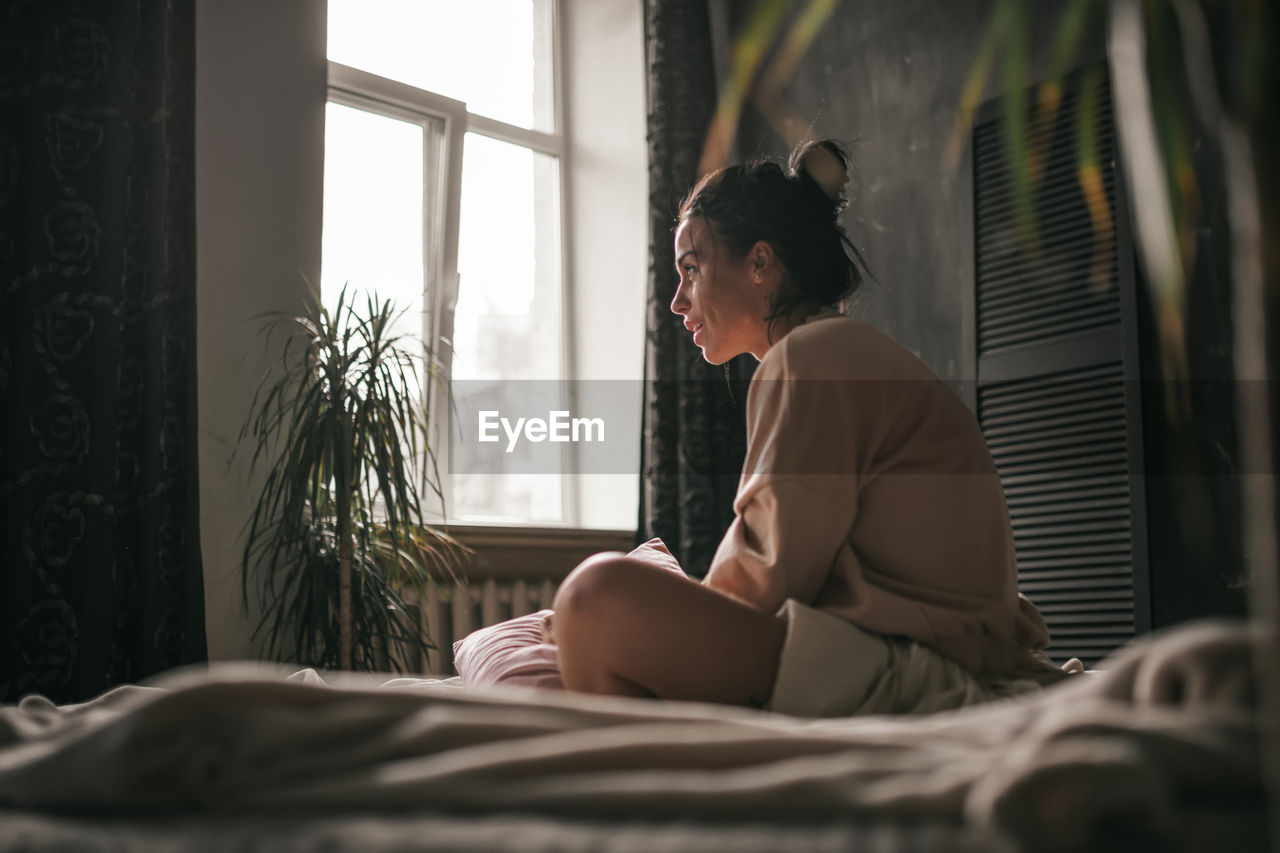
(712, 354)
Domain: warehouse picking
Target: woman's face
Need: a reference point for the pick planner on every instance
(722, 299)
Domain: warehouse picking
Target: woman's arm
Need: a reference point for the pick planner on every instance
(782, 543)
(798, 498)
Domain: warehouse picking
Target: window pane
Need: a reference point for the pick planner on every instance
(374, 197)
(493, 54)
(507, 323)
(373, 201)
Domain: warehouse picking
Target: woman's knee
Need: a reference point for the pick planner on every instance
(604, 601)
(596, 584)
(585, 620)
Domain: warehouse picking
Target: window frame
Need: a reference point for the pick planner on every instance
(365, 90)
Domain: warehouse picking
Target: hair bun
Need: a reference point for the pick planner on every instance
(826, 163)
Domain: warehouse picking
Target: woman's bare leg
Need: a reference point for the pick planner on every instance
(624, 627)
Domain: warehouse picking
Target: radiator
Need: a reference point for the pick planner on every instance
(513, 571)
(453, 611)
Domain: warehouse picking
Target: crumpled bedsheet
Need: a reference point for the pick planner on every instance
(1169, 720)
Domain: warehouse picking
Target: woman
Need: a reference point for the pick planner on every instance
(870, 564)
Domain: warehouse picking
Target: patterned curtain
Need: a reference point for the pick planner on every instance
(100, 579)
(694, 430)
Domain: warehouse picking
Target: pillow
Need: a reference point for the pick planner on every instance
(655, 552)
(515, 653)
(510, 653)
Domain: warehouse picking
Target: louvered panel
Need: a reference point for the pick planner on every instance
(1059, 444)
(1055, 285)
(1076, 453)
(1083, 641)
(1067, 440)
(1034, 522)
(1066, 411)
(989, 143)
(1029, 489)
(1083, 551)
(1098, 538)
(1012, 288)
(1002, 212)
(1027, 297)
(1075, 426)
(1084, 387)
(1030, 564)
(1068, 600)
(1013, 284)
(1085, 379)
(1073, 574)
(1017, 446)
(1028, 537)
(1068, 323)
(1045, 315)
(1050, 512)
(1004, 248)
(1044, 300)
(1013, 434)
(1055, 408)
(1051, 299)
(1036, 130)
(1088, 462)
(989, 153)
(1045, 590)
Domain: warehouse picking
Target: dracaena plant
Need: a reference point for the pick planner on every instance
(337, 537)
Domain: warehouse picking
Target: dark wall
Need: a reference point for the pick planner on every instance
(886, 77)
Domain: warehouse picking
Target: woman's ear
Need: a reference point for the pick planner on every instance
(762, 260)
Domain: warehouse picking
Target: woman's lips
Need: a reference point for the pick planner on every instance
(697, 330)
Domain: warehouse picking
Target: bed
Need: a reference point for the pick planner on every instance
(1158, 748)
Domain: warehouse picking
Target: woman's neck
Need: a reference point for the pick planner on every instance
(797, 316)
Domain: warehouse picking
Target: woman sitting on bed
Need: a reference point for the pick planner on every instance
(870, 563)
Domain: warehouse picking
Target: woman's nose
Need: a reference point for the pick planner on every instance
(678, 302)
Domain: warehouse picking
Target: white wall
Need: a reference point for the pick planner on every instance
(260, 94)
(608, 190)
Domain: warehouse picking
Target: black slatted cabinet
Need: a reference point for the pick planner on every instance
(1058, 396)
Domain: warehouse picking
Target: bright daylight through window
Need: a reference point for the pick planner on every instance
(469, 242)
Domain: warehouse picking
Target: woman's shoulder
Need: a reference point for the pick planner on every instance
(840, 347)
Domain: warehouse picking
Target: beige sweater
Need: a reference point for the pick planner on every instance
(868, 492)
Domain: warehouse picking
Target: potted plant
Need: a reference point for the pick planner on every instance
(337, 538)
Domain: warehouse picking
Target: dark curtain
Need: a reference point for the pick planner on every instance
(694, 432)
(100, 579)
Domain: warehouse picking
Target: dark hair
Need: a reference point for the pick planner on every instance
(795, 210)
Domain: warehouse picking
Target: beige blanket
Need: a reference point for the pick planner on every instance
(1169, 721)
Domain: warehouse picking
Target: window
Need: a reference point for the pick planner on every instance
(444, 161)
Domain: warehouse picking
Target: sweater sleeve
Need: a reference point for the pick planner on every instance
(797, 499)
